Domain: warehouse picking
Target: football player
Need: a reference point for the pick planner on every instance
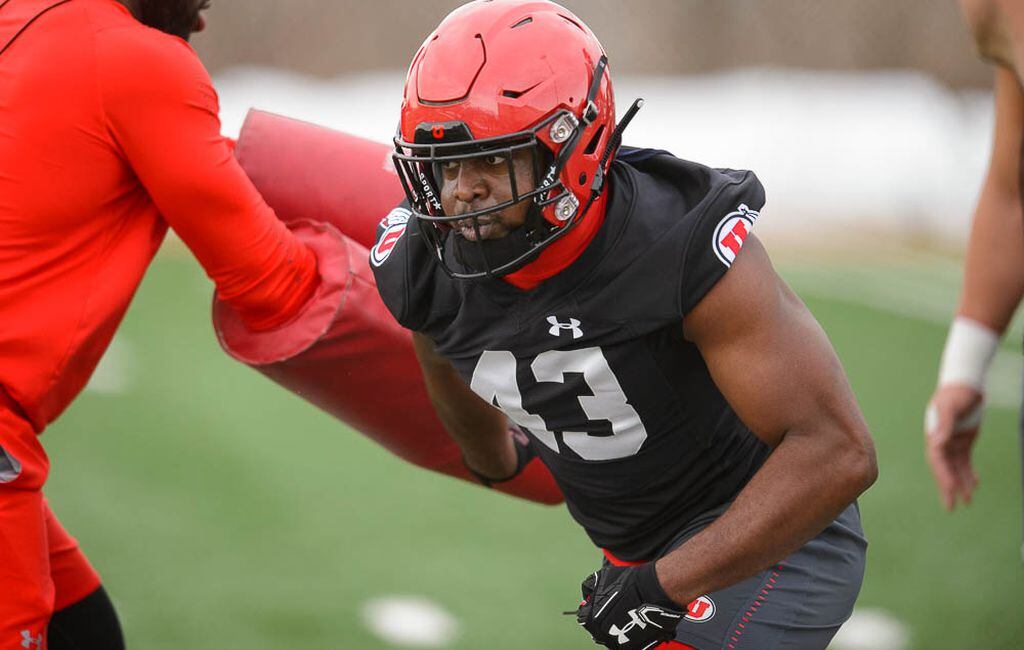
(616, 307)
(108, 135)
(993, 283)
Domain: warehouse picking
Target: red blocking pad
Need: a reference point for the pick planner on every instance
(344, 352)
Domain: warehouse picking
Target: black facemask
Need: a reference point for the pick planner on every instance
(175, 17)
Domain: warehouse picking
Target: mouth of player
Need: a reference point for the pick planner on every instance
(490, 227)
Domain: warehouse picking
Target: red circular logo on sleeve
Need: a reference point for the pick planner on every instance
(394, 226)
(732, 232)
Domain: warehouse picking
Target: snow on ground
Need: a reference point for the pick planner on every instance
(894, 152)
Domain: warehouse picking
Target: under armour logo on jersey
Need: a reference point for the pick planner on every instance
(557, 327)
(27, 640)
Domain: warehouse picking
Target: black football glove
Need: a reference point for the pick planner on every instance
(524, 454)
(626, 608)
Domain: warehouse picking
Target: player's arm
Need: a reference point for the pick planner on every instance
(994, 269)
(992, 288)
(480, 430)
(777, 369)
(162, 111)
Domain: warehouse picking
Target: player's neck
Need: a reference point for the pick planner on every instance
(559, 255)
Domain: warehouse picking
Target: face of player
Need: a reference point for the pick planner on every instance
(998, 29)
(176, 17)
(478, 183)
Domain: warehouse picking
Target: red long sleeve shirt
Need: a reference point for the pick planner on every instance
(109, 132)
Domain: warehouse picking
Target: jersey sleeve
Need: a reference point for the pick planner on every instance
(403, 268)
(162, 113)
(720, 225)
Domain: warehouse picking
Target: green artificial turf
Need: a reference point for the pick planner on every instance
(224, 512)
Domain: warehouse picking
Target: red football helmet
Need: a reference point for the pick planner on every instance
(498, 77)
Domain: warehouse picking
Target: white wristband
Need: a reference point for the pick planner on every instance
(969, 350)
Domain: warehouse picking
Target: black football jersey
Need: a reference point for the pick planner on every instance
(593, 363)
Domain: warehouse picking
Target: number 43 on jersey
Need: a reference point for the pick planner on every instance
(494, 380)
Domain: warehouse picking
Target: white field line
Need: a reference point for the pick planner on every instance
(872, 629)
(410, 622)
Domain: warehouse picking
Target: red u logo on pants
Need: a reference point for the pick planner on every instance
(700, 610)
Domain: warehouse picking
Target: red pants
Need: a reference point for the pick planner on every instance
(41, 567)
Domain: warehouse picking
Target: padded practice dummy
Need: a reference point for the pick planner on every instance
(344, 352)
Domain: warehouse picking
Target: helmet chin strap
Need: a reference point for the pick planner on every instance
(614, 143)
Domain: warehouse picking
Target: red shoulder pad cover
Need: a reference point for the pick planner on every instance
(344, 352)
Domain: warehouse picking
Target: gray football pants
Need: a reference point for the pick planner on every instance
(798, 604)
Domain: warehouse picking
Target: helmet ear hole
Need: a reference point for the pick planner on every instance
(592, 145)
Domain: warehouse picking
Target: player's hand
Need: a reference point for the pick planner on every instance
(951, 427)
(626, 608)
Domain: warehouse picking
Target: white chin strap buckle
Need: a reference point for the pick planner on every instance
(563, 128)
(566, 207)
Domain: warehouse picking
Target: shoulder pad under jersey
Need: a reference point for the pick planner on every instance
(708, 215)
(720, 228)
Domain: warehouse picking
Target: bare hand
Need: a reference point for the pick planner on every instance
(951, 427)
